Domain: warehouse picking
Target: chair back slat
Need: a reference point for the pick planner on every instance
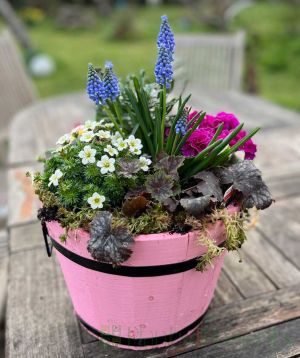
(210, 61)
(16, 89)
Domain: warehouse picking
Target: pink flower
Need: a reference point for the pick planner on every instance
(230, 121)
(202, 136)
(198, 141)
(209, 121)
(249, 147)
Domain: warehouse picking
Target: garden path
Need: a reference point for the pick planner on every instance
(256, 308)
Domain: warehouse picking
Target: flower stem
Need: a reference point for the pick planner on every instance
(163, 117)
(112, 118)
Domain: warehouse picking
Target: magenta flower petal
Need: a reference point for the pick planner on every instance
(198, 141)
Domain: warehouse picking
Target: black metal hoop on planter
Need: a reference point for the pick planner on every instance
(141, 342)
(130, 271)
(46, 236)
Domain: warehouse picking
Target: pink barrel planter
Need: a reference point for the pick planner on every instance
(154, 299)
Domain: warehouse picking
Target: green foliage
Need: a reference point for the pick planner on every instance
(79, 180)
(149, 114)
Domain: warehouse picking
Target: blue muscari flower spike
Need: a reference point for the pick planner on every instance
(94, 87)
(166, 37)
(163, 68)
(181, 125)
(111, 88)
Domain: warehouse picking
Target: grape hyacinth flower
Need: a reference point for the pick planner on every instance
(181, 125)
(94, 86)
(166, 46)
(163, 68)
(111, 88)
(166, 37)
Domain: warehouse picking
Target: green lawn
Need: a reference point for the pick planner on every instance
(270, 27)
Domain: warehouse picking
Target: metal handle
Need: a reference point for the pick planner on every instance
(48, 245)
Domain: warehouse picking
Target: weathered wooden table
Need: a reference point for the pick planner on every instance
(256, 308)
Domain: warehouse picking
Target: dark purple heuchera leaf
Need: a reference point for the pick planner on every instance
(170, 164)
(108, 244)
(209, 185)
(246, 178)
(261, 198)
(128, 167)
(171, 204)
(159, 185)
(196, 206)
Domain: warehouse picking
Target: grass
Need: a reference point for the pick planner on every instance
(272, 28)
(73, 49)
(275, 34)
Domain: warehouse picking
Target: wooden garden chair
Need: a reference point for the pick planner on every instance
(16, 89)
(16, 92)
(213, 62)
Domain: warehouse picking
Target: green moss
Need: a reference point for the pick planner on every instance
(234, 224)
(154, 220)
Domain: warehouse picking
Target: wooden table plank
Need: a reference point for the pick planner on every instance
(225, 292)
(280, 341)
(246, 276)
(39, 317)
(280, 225)
(36, 129)
(26, 237)
(278, 151)
(270, 260)
(282, 187)
(252, 110)
(222, 324)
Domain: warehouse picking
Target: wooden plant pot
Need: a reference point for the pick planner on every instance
(154, 299)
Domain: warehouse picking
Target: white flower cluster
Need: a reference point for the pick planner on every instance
(116, 145)
(85, 132)
(54, 178)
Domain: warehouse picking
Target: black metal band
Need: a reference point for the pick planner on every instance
(141, 342)
(46, 239)
(131, 271)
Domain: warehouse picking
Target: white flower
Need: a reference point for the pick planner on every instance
(115, 137)
(90, 125)
(96, 201)
(64, 139)
(134, 144)
(103, 134)
(136, 151)
(87, 136)
(106, 164)
(59, 149)
(87, 155)
(144, 163)
(121, 144)
(108, 125)
(111, 150)
(78, 129)
(53, 180)
(104, 124)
